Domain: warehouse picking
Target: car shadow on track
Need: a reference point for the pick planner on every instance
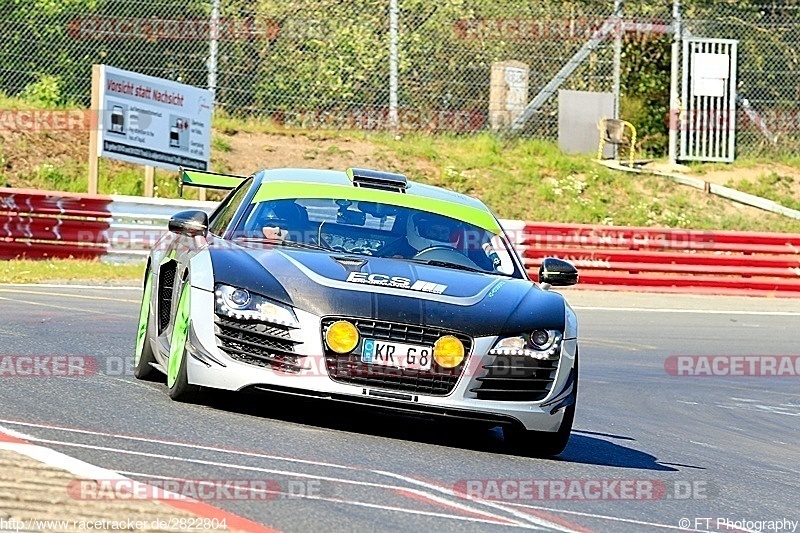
(586, 449)
(583, 447)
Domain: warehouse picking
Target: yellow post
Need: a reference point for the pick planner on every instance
(149, 180)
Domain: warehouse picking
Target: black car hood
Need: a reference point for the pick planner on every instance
(316, 282)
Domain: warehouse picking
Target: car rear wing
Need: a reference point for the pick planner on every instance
(208, 180)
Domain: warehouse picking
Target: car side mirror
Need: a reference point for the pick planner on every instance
(557, 272)
(190, 223)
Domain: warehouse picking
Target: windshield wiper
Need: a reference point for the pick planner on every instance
(283, 242)
(458, 266)
(448, 264)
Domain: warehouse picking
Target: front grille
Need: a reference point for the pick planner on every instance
(257, 343)
(516, 379)
(348, 368)
(166, 283)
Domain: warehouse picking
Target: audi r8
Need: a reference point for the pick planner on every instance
(364, 287)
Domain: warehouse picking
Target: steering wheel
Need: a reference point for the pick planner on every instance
(441, 252)
(435, 247)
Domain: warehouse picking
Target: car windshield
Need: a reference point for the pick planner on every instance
(376, 229)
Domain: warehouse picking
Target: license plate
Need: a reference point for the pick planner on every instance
(396, 354)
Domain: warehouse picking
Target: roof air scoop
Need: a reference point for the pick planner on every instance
(376, 179)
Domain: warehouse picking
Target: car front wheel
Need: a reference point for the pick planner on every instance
(177, 379)
(545, 443)
(144, 351)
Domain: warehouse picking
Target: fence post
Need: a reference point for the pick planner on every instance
(618, 7)
(674, 96)
(393, 30)
(213, 46)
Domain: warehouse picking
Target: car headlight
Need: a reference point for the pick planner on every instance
(244, 305)
(538, 344)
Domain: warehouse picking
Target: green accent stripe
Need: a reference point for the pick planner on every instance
(277, 190)
(180, 331)
(208, 179)
(144, 314)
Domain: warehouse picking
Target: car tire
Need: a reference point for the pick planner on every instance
(545, 443)
(181, 390)
(177, 377)
(143, 355)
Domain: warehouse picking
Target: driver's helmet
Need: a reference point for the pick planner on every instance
(428, 229)
(284, 214)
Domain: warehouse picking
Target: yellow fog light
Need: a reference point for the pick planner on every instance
(342, 336)
(448, 352)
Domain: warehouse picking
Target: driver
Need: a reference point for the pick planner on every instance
(427, 229)
(283, 217)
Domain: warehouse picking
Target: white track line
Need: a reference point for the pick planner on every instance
(288, 473)
(688, 311)
(67, 295)
(51, 306)
(67, 286)
(576, 307)
(614, 518)
(524, 516)
(492, 520)
(411, 481)
(85, 470)
(182, 445)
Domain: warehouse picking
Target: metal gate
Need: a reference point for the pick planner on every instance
(708, 117)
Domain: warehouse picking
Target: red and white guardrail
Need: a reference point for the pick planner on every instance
(43, 224)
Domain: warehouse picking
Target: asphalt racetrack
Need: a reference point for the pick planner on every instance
(650, 450)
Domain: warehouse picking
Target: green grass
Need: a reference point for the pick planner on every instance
(518, 178)
(220, 143)
(532, 180)
(792, 160)
(114, 178)
(230, 125)
(61, 270)
(773, 187)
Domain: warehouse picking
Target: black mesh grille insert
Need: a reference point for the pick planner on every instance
(166, 283)
(257, 343)
(348, 368)
(516, 379)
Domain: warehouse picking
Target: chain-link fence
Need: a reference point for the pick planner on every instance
(326, 64)
(768, 88)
